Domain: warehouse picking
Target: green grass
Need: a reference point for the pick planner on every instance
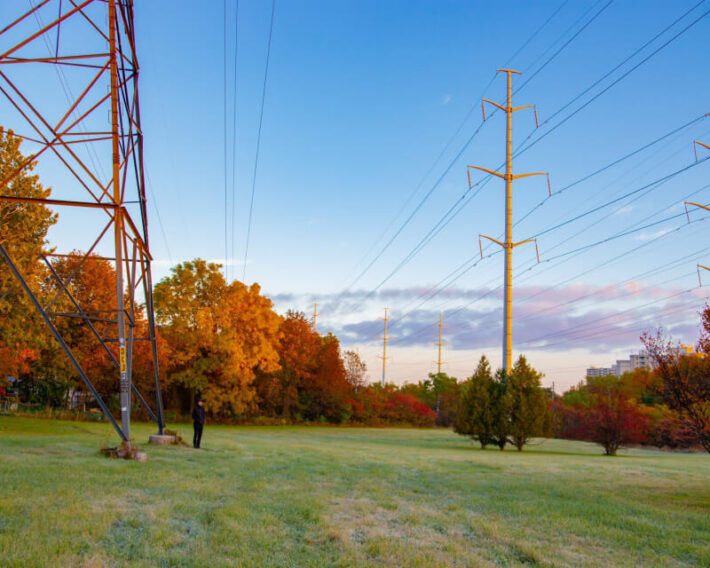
(307, 496)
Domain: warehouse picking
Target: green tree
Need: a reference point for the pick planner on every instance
(475, 410)
(442, 397)
(527, 403)
(499, 409)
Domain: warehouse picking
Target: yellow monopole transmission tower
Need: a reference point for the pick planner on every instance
(384, 357)
(508, 245)
(439, 344)
(697, 143)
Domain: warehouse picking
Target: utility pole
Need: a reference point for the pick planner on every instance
(439, 362)
(697, 143)
(315, 317)
(508, 245)
(384, 339)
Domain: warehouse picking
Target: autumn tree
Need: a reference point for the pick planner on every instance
(92, 282)
(250, 329)
(601, 410)
(685, 379)
(324, 394)
(23, 232)
(298, 348)
(355, 370)
(527, 403)
(614, 421)
(219, 335)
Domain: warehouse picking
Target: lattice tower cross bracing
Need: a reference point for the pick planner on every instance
(89, 46)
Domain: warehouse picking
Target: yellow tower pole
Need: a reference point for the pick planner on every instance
(315, 317)
(440, 343)
(508, 245)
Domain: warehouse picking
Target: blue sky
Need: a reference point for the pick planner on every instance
(367, 106)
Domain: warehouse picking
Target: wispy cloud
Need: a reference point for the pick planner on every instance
(651, 236)
(624, 210)
(547, 319)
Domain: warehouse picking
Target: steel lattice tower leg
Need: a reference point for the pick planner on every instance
(70, 135)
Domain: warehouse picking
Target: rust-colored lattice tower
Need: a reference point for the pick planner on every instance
(69, 89)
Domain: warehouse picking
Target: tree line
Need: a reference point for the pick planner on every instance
(225, 342)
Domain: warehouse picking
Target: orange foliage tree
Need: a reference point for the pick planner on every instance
(297, 347)
(23, 232)
(219, 335)
(685, 379)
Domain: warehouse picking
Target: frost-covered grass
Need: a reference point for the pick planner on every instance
(307, 496)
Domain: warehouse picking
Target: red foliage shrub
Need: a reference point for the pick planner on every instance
(406, 408)
(615, 422)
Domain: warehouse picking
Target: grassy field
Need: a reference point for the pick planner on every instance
(306, 496)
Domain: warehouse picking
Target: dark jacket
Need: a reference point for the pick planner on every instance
(198, 414)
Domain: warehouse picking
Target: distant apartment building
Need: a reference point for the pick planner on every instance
(599, 371)
(635, 361)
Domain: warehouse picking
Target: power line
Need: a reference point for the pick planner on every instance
(234, 131)
(448, 168)
(619, 65)
(258, 138)
(570, 40)
(576, 251)
(612, 84)
(467, 265)
(604, 318)
(224, 97)
(610, 165)
(444, 221)
(534, 35)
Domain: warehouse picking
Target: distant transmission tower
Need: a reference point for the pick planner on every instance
(384, 339)
(439, 362)
(92, 143)
(508, 245)
(315, 317)
(697, 143)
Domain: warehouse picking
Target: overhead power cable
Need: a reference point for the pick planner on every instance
(534, 35)
(608, 87)
(225, 141)
(258, 139)
(449, 216)
(575, 251)
(664, 267)
(622, 197)
(234, 135)
(475, 260)
(450, 165)
(564, 45)
(604, 318)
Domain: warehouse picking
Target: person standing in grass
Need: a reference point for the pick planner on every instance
(198, 420)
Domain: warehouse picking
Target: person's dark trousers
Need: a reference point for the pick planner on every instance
(198, 435)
